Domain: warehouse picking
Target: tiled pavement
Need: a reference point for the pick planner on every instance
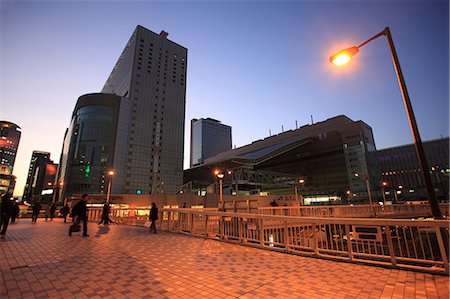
(42, 261)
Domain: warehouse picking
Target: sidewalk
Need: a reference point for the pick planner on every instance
(41, 261)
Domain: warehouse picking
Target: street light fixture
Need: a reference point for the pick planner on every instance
(220, 176)
(344, 56)
(384, 185)
(110, 173)
(366, 178)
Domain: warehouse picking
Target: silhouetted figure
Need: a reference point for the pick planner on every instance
(36, 210)
(6, 210)
(52, 211)
(79, 211)
(153, 217)
(47, 212)
(105, 214)
(15, 212)
(274, 203)
(65, 211)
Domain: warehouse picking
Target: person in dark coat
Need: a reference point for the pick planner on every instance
(6, 210)
(153, 217)
(65, 211)
(79, 210)
(105, 214)
(52, 211)
(36, 210)
(15, 212)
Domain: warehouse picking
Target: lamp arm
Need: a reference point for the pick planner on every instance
(374, 37)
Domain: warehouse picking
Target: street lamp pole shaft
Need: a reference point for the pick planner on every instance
(109, 190)
(220, 195)
(415, 131)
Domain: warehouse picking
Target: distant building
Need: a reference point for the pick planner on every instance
(41, 177)
(7, 180)
(9, 143)
(209, 137)
(135, 126)
(400, 169)
(326, 155)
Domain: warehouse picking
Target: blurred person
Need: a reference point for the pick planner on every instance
(6, 210)
(153, 217)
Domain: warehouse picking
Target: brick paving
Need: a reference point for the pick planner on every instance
(41, 261)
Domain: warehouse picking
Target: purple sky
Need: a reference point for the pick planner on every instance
(256, 66)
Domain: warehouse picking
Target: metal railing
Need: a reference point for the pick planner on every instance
(409, 244)
(356, 211)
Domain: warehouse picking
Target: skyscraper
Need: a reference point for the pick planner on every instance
(41, 175)
(151, 72)
(9, 142)
(209, 137)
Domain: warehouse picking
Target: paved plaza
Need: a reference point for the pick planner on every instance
(41, 261)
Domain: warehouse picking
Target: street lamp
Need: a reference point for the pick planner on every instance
(301, 182)
(384, 185)
(366, 178)
(220, 177)
(344, 56)
(110, 173)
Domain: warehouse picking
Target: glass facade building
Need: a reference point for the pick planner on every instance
(209, 137)
(9, 143)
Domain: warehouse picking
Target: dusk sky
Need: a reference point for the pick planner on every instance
(254, 65)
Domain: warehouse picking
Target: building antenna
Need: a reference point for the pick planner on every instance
(270, 133)
(312, 121)
(282, 129)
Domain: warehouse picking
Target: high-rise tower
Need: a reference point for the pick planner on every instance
(9, 142)
(209, 137)
(151, 72)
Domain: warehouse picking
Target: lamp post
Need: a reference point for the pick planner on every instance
(110, 173)
(220, 176)
(383, 185)
(366, 178)
(300, 182)
(344, 56)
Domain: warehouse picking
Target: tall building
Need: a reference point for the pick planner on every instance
(209, 137)
(151, 72)
(400, 169)
(41, 176)
(9, 142)
(135, 126)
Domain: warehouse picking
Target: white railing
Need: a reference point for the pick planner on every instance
(409, 244)
(356, 211)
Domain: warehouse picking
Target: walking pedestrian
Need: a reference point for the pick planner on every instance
(36, 210)
(153, 217)
(105, 214)
(65, 211)
(80, 212)
(15, 212)
(47, 211)
(52, 211)
(6, 210)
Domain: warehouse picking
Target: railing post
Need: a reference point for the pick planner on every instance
(349, 242)
(206, 224)
(442, 246)
(390, 245)
(191, 227)
(316, 241)
(286, 235)
(261, 232)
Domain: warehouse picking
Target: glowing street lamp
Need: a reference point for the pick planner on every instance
(344, 56)
(384, 185)
(220, 177)
(366, 178)
(110, 173)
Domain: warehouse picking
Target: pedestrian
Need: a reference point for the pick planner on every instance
(36, 210)
(153, 217)
(6, 210)
(47, 211)
(65, 211)
(52, 211)
(79, 211)
(105, 214)
(15, 212)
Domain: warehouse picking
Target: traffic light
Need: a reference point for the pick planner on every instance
(138, 191)
(87, 171)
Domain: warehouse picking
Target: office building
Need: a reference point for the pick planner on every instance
(134, 127)
(9, 143)
(400, 169)
(334, 158)
(41, 176)
(209, 137)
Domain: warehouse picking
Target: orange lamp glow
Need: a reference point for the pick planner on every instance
(344, 56)
(111, 173)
